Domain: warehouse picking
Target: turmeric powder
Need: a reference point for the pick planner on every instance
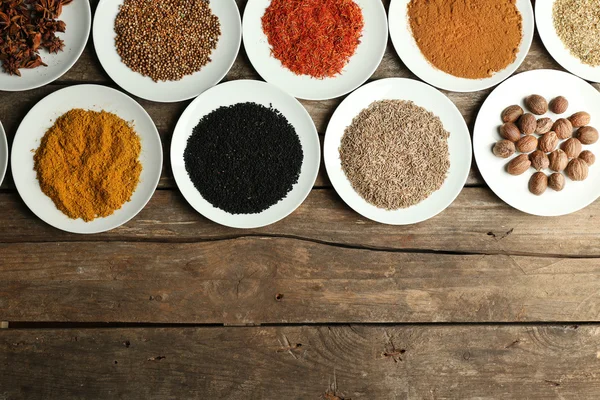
(87, 163)
(467, 38)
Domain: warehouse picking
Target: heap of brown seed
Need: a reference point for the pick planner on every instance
(168, 39)
(395, 154)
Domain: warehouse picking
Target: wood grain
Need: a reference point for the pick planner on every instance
(338, 362)
(477, 222)
(237, 282)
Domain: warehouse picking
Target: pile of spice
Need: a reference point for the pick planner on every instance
(244, 158)
(395, 154)
(313, 37)
(467, 39)
(87, 163)
(25, 28)
(168, 39)
(577, 23)
(546, 144)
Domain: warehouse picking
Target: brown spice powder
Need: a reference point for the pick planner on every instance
(395, 154)
(467, 38)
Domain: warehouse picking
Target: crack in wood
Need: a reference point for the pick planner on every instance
(393, 352)
(332, 391)
(349, 246)
(501, 236)
(553, 383)
(287, 347)
(239, 282)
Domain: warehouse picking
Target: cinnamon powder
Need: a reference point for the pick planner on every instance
(467, 38)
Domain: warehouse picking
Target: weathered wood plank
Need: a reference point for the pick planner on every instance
(477, 222)
(238, 281)
(343, 362)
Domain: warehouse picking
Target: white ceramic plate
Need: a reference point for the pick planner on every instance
(243, 91)
(78, 18)
(363, 63)
(514, 189)
(190, 86)
(411, 55)
(422, 95)
(3, 153)
(42, 117)
(555, 46)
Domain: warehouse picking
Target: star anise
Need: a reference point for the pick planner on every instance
(50, 8)
(34, 62)
(54, 45)
(25, 27)
(11, 65)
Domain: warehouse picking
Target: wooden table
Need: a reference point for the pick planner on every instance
(480, 302)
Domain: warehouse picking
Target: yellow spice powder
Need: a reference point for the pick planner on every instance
(88, 163)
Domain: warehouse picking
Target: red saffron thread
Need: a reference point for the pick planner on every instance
(313, 37)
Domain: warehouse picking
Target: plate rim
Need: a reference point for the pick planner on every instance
(381, 10)
(476, 138)
(68, 65)
(486, 82)
(551, 49)
(463, 178)
(5, 153)
(222, 75)
(153, 183)
(179, 128)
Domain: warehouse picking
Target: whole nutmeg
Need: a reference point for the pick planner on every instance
(504, 148)
(509, 131)
(539, 160)
(556, 181)
(577, 170)
(558, 160)
(587, 135)
(527, 124)
(588, 157)
(518, 165)
(527, 144)
(512, 114)
(559, 105)
(572, 147)
(544, 125)
(580, 119)
(538, 183)
(548, 142)
(563, 128)
(536, 104)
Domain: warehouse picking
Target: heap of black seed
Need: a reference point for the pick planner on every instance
(244, 158)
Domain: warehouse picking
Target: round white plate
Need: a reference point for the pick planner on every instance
(363, 63)
(514, 189)
(555, 46)
(411, 55)
(423, 95)
(190, 86)
(42, 117)
(78, 18)
(3, 153)
(243, 91)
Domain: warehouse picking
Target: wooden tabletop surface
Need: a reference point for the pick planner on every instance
(480, 302)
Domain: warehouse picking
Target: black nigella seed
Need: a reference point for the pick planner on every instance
(244, 158)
